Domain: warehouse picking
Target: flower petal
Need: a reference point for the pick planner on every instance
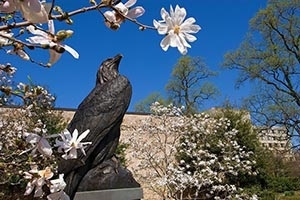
(136, 12)
(179, 15)
(130, 3)
(122, 8)
(110, 16)
(189, 27)
(35, 31)
(183, 41)
(165, 43)
(75, 135)
(44, 147)
(5, 41)
(57, 184)
(174, 39)
(162, 28)
(189, 37)
(8, 6)
(83, 135)
(38, 192)
(182, 49)
(23, 54)
(29, 188)
(83, 152)
(32, 137)
(54, 57)
(72, 51)
(182, 45)
(38, 40)
(33, 11)
(67, 135)
(51, 27)
(72, 154)
(164, 14)
(34, 5)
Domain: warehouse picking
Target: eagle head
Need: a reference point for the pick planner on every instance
(109, 69)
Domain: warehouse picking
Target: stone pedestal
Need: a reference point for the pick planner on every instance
(112, 194)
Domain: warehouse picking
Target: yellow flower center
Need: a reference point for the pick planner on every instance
(177, 29)
(46, 173)
(74, 145)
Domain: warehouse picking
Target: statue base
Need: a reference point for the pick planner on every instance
(111, 194)
(109, 174)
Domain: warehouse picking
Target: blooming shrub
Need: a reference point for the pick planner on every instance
(28, 159)
(27, 148)
(211, 155)
(152, 146)
(189, 157)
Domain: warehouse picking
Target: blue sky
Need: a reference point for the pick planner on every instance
(224, 25)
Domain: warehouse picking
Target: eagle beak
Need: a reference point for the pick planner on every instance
(117, 59)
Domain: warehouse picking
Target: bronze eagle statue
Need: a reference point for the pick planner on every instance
(101, 112)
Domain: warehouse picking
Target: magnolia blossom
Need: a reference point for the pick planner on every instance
(19, 52)
(209, 152)
(177, 30)
(32, 10)
(51, 40)
(39, 143)
(70, 144)
(38, 178)
(4, 39)
(114, 19)
(57, 189)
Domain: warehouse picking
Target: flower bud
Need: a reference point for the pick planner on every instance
(69, 21)
(6, 90)
(106, 2)
(58, 9)
(63, 34)
(142, 28)
(93, 2)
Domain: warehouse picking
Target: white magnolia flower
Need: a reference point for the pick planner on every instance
(70, 143)
(50, 39)
(57, 184)
(177, 30)
(4, 40)
(113, 19)
(19, 52)
(57, 189)
(39, 143)
(32, 10)
(38, 178)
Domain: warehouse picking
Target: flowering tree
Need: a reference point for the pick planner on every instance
(27, 25)
(26, 155)
(28, 159)
(152, 142)
(211, 154)
(194, 157)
